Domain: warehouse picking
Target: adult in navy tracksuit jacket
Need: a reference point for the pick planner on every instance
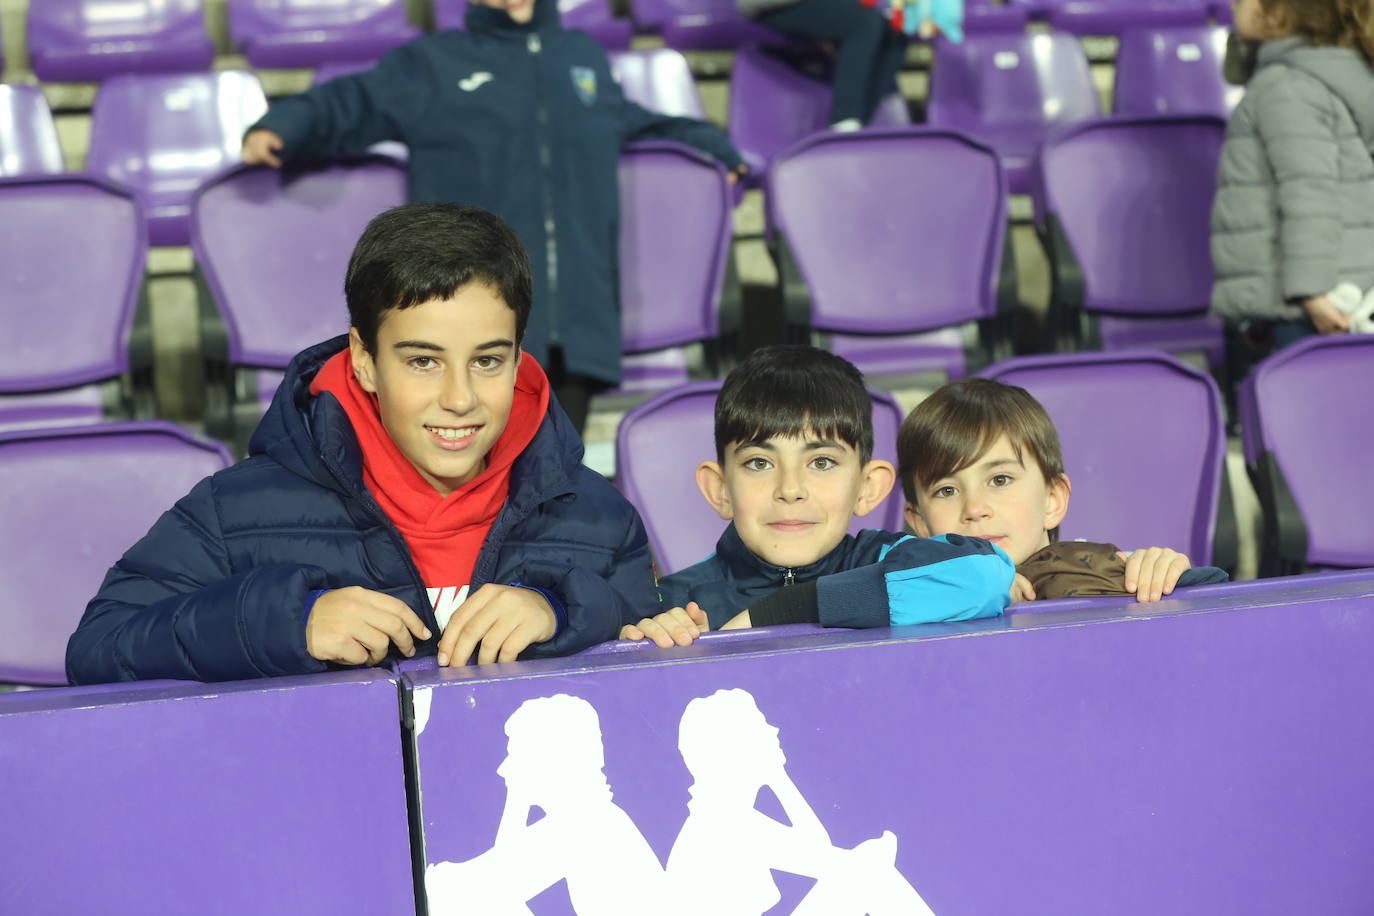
(874, 579)
(219, 588)
(523, 120)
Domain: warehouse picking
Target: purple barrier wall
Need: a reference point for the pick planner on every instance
(1126, 760)
(277, 796)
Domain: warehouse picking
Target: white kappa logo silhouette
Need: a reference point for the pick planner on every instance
(721, 861)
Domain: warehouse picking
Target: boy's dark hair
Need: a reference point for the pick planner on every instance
(415, 253)
(790, 390)
(952, 428)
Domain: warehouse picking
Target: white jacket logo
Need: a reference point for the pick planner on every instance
(476, 81)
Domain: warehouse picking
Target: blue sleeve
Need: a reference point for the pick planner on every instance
(173, 608)
(350, 113)
(920, 580)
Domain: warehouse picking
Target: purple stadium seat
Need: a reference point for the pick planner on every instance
(1125, 207)
(779, 96)
(28, 136)
(78, 40)
(1109, 17)
(272, 248)
(659, 79)
(1309, 434)
(658, 447)
(891, 231)
(1222, 12)
(75, 498)
(162, 135)
(307, 33)
(72, 251)
(591, 16)
(675, 231)
(1011, 90)
(1173, 72)
(699, 25)
(989, 16)
(1144, 447)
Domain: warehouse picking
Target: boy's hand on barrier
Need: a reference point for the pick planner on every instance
(357, 626)
(677, 627)
(740, 621)
(1153, 572)
(1326, 318)
(260, 148)
(1021, 589)
(505, 619)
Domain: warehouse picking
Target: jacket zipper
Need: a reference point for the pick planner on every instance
(788, 578)
(546, 168)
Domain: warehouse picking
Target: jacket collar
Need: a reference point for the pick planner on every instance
(488, 20)
(748, 569)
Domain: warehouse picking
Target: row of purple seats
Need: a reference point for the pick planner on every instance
(1307, 433)
(1143, 436)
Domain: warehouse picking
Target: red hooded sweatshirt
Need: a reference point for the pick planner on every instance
(444, 533)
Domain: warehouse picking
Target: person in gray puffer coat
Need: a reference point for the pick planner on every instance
(1294, 211)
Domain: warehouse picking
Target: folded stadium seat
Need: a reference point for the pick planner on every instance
(1124, 208)
(162, 135)
(591, 16)
(659, 445)
(1144, 446)
(1173, 71)
(1110, 17)
(271, 248)
(659, 79)
(76, 498)
(79, 40)
(1011, 90)
(779, 95)
(79, 348)
(307, 33)
(328, 71)
(675, 261)
(699, 25)
(28, 136)
(990, 16)
(893, 243)
(1308, 436)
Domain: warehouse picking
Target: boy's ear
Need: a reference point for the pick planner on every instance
(916, 520)
(363, 367)
(1057, 501)
(878, 478)
(711, 483)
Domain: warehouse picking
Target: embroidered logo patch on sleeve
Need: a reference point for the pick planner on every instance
(584, 81)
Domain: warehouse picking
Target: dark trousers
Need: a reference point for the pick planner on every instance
(869, 51)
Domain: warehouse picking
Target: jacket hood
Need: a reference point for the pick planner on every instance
(1342, 70)
(488, 20)
(313, 437)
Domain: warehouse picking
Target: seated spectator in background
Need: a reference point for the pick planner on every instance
(794, 465)
(1293, 219)
(400, 467)
(981, 458)
(869, 52)
(520, 117)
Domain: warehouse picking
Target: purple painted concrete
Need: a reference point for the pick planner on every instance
(594, 17)
(1011, 90)
(1133, 197)
(282, 796)
(1293, 407)
(659, 79)
(658, 447)
(1144, 443)
(28, 136)
(74, 499)
(72, 251)
(1216, 761)
(898, 256)
(93, 39)
(274, 245)
(307, 33)
(1173, 72)
(163, 136)
(780, 95)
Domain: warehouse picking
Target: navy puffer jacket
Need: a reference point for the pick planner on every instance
(217, 590)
